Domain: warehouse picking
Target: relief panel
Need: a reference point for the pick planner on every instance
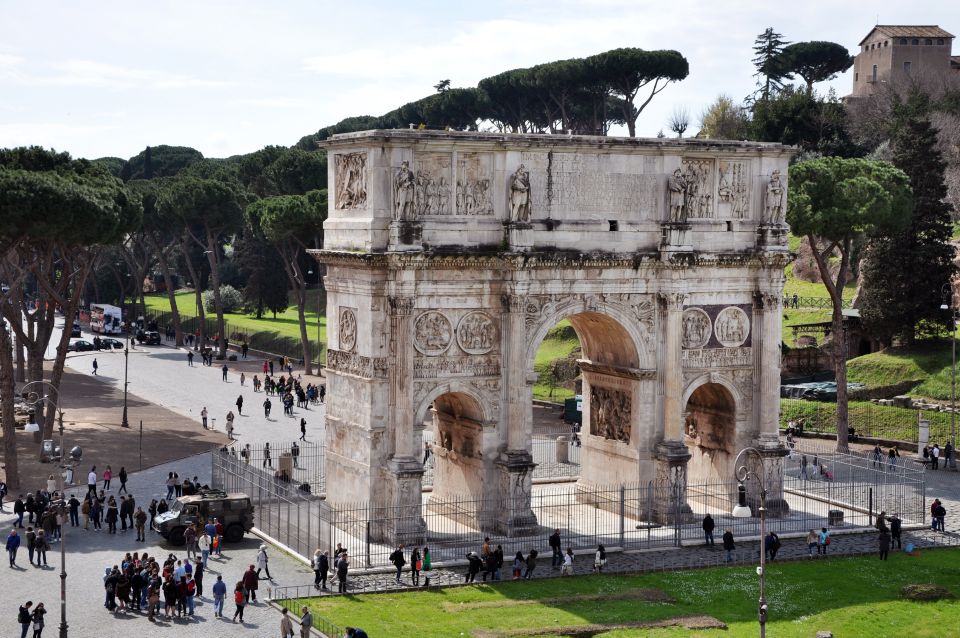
(350, 176)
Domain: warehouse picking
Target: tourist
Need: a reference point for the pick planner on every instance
(294, 453)
(355, 632)
(939, 514)
(240, 405)
(266, 408)
(823, 541)
(262, 562)
(230, 419)
(771, 545)
(877, 456)
(95, 366)
(884, 540)
(896, 529)
(224, 370)
(306, 622)
(218, 539)
(892, 457)
(111, 516)
(170, 485)
(599, 558)
(198, 572)
(811, 542)
(267, 461)
(243, 378)
(85, 508)
(803, 467)
(203, 417)
(122, 475)
(203, 543)
(416, 564)
(531, 564)
(219, 593)
(321, 565)
(140, 522)
(239, 599)
(265, 368)
(557, 559)
(398, 561)
(91, 483)
(37, 618)
(190, 358)
(708, 526)
(567, 568)
(473, 567)
(303, 429)
(250, 582)
(286, 625)
(74, 506)
(19, 509)
(728, 545)
(107, 476)
(25, 618)
(244, 349)
(427, 559)
(343, 565)
(13, 545)
(518, 562)
(190, 539)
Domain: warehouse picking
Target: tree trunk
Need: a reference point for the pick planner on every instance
(194, 275)
(7, 392)
(21, 360)
(171, 294)
(217, 299)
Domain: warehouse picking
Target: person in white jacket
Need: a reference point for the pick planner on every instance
(567, 568)
(262, 561)
(204, 544)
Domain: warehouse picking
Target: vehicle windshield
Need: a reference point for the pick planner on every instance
(177, 506)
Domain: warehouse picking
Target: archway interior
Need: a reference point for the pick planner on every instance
(710, 432)
(458, 445)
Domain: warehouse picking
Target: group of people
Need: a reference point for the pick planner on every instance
(932, 454)
(888, 535)
(340, 567)
(891, 456)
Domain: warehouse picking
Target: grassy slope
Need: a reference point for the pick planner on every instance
(559, 343)
(929, 362)
(849, 596)
(286, 323)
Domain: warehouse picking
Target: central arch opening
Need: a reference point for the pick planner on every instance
(710, 433)
(458, 446)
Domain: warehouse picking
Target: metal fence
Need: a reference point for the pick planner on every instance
(847, 495)
(294, 597)
(866, 419)
(792, 301)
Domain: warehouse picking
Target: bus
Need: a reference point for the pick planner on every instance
(105, 319)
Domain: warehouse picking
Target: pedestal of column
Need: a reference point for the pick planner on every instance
(515, 516)
(675, 238)
(771, 469)
(406, 236)
(403, 520)
(519, 236)
(670, 485)
(772, 237)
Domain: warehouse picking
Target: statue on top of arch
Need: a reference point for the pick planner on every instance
(520, 195)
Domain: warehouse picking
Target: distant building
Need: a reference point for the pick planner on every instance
(894, 52)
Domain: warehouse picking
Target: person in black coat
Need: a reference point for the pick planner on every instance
(708, 526)
(728, 544)
(895, 530)
(473, 568)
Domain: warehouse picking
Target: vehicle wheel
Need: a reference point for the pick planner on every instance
(234, 533)
(176, 537)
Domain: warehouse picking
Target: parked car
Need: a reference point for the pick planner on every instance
(107, 343)
(233, 510)
(149, 337)
(80, 345)
(75, 330)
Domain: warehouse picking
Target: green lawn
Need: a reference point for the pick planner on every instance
(286, 324)
(928, 362)
(869, 419)
(559, 343)
(848, 596)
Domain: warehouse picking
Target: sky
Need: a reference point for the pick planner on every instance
(109, 78)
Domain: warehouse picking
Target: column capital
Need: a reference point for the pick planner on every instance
(766, 300)
(401, 306)
(513, 303)
(672, 300)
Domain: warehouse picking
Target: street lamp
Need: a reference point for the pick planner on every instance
(126, 365)
(947, 294)
(742, 510)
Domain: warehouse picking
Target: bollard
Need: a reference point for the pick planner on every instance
(563, 449)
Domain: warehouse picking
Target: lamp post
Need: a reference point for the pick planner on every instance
(126, 365)
(947, 294)
(742, 510)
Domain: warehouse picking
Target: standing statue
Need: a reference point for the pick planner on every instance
(677, 186)
(773, 212)
(403, 184)
(520, 195)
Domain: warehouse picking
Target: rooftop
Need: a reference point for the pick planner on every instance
(909, 31)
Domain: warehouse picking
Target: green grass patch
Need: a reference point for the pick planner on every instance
(559, 343)
(929, 362)
(869, 419)
(849, 596)
(285, 324)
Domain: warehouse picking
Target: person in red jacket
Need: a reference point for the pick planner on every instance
(250, 582)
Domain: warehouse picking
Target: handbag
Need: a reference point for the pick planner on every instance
(419, 565)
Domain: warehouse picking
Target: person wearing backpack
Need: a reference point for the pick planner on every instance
(24, 618)
(823, 540)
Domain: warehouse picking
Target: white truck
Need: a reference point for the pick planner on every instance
(106, 319)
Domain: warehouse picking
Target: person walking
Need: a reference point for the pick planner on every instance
(554, 541)
(295, 453)
(230, 419)
(40, 547)
(140, 522)
(250, 582)
(266, 407)
(884, 541)
(811, 542)
(107, 477)
(13, 546)
(708, 526)
(306, 622)
(567, 568)
(239, 599)
(892, 457)
(303, 429)
(771, 545)
(204, 544)
(599, 558)
(190, 358)
(95, 366)
(203, 417)
(877, 456)
(939, 515)
(243, 379)
(122, 475)
(286, 625)
(728, 545)
(263, 562)
(531, 564)
(267, 461)
(224, 370)
(823, 541)
(219, 593)
(896, 529)
(92, 481)
(398, 561)
(320, 565)
(343, 566)
(240, 405)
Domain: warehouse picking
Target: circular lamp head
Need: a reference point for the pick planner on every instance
(76, 453)
(31, 427)
(742, 511)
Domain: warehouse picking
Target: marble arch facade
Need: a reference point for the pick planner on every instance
(450, 255)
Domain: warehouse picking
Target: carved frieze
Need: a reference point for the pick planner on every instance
(698, 188)
(474, 184)
(355, 364)
(733, 190)
(732, 326)
(708, 358)
(350, 177)
(348, 329)
(611, 413)
(440, 367)
(477, 333)
(696, 328)
(432, 333)
(432, 184)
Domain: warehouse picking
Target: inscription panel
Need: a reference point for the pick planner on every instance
(579, 184)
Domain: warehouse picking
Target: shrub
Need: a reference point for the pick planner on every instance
(230, 296)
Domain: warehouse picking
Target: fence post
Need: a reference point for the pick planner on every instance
(870, 509)
(622, 506)
(368, 540)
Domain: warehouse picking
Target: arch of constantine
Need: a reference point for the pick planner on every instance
(450, 255)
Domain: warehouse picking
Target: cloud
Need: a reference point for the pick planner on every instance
(90, 73)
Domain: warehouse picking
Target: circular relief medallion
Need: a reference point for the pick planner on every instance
(696, 328)
(476, 333)
(348, 330)
(432, 333)
(732, 327)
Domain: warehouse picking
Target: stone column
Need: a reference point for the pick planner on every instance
(766, 341)
(405, 522)
(670, 483)
(515, 464)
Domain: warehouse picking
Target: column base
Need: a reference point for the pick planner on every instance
(773, 452)
(406, 236)
(404, 521)
(670, 485)
(772, 237)
(519, 236)
(515, 516)
(675, 238)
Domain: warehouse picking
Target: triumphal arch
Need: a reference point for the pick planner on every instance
(450, 255)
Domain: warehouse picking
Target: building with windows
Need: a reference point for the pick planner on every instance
(893, 52)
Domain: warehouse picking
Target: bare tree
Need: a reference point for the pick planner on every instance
(679, 120)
